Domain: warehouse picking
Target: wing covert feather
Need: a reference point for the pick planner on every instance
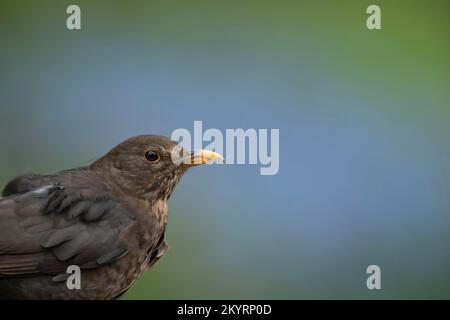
(66, 222)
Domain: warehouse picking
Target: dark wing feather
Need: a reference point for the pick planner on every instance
(72, 220)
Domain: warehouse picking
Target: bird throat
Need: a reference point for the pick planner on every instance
(162, 187)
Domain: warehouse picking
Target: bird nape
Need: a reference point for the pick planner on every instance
(107, 219)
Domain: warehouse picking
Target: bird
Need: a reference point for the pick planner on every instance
(108, 219)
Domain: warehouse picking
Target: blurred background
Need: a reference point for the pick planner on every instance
(364, 119)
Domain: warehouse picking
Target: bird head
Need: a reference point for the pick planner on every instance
(149, 166)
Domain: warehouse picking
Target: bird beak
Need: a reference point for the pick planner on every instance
(197, 157)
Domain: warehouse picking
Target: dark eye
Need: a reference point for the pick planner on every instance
(152, 155)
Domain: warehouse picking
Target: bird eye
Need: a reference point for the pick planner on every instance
(152, 155)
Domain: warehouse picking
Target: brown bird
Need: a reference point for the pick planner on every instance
(108, 219)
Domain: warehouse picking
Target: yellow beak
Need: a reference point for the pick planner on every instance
(198, 157)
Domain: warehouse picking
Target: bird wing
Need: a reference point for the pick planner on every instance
(44, 230)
